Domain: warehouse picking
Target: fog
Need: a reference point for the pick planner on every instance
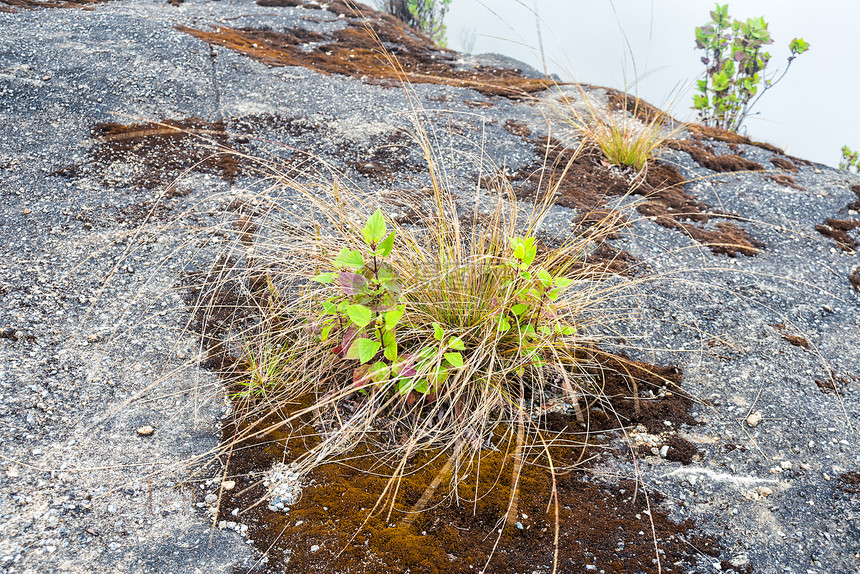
(648, 48)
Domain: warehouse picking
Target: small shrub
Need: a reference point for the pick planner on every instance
(425, 16)
(735, 61)
(850, 159)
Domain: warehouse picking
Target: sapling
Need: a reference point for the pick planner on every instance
(735, 61)
(850, 158)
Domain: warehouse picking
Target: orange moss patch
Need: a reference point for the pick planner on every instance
(704, 156)
(838, 230)
(13, 5)
(356, 51)
(785, 180)
(357, 529)
(783, 163)
(586, 184)
(719, 134)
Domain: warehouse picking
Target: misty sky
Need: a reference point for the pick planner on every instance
(811, 113)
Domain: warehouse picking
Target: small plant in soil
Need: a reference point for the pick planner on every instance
(735, 61)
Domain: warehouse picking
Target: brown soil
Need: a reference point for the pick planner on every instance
(795, 340)
(166, 149)
(838, 230)
(356, 51)
(600, 524)
(850, 481)
(854, 279)
(704, 156)
(705, 132)
(831, 384)
(680, 450)
(855, 205)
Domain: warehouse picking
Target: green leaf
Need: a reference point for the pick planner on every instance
(568, 330)
(360, 315)
(519, 309)
(457, 344)
(349, 258)
(367, 349)
(544, 277)
(324, 278)
(389, 340)
(385, 247)
(562, 282)
(329, 306)
(392, 318)
(325, 332)
(390, 351)
(503, 324)
(422, 386)
(438, 332)
(553, 295)
(798, 46)
(379, 371)
(374, 229)
(455, 359)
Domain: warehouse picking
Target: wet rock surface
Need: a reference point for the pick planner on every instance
(105, 410)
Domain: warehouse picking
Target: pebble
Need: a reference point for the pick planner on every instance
(754, 419)
(315, 548)
(764, 491)
(145, 431)
(211, 498)
(228, 484)
(785, 465)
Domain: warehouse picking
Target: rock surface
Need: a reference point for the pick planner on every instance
(95, 346)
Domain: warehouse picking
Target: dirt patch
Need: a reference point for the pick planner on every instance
(356, 51)
(704, 156)
(795, 340)
(854, 279)
(639, 108)
(785, 180)
(340, 526)
(584, 184)
(838, 230)
(680, 450)
(156, 153)
(850, 481)
(518, 129)
(832, 384)
(855, 205)
(718, 134)
(14, 5)
(783, 163)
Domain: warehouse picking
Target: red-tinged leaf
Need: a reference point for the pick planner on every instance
(351, 283)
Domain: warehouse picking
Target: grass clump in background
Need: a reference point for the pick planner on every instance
(627, 140)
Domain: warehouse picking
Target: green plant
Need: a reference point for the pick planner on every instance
(365, 315)
(425, 16)
(735, 61)
(624, 140)
(849, 159)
